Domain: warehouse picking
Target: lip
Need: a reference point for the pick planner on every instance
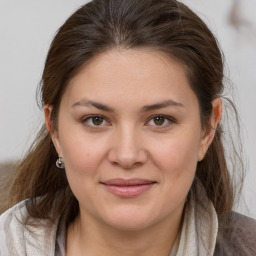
(128, 188)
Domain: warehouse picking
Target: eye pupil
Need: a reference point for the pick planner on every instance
(97, 120)
(159, 120)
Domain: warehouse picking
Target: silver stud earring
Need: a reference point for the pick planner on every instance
(60, 163)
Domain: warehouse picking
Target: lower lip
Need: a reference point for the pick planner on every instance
(128, 191)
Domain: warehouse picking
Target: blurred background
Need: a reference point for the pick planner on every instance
(28, 26)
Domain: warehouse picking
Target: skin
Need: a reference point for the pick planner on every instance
(129, 142)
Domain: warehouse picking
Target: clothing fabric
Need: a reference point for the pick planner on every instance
(18, 240)
(201, 233)
(236, 236)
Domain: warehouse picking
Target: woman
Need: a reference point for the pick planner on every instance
(131, 93)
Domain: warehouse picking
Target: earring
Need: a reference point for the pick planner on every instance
(60, 163)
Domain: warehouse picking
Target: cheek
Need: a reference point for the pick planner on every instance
(177, 155)
(82, 154)
(176, 159)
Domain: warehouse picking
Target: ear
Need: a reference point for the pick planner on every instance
(208, 133)
(53, 132)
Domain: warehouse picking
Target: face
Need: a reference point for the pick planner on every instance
(130, 135)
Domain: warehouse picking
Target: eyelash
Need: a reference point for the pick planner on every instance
(169, 119)
(86, 120)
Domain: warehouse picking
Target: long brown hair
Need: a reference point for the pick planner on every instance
(168, 26)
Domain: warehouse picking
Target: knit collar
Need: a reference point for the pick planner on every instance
(200, 226)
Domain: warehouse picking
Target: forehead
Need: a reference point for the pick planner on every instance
(130, 75)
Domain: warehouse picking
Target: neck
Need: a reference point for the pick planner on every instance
(88, 237)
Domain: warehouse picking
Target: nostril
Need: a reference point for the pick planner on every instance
(115, 163)
(127, 157)
(127, 166)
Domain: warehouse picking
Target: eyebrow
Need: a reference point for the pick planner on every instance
(163, 104)
(89, 103)
(159, 105)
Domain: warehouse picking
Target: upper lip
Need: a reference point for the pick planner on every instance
(127, 182)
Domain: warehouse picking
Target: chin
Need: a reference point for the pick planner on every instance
(129, 225)
(130, 220)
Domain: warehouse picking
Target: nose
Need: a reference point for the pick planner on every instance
(127, 149)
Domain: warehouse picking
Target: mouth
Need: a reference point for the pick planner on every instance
(128, 188)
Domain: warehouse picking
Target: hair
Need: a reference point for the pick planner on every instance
(101, 25)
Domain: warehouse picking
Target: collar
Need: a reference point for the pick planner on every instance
(200, 226)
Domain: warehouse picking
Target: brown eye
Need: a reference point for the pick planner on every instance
(97, 120)
(159, 120)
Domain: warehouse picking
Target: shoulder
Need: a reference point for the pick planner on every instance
(236, 236)
(18, 238)
(11, 230)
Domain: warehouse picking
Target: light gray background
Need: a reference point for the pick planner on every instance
(26, 30)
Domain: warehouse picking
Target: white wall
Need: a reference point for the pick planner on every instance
(26, 29)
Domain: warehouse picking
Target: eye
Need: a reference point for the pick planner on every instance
(160, 120)
(94, 121)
